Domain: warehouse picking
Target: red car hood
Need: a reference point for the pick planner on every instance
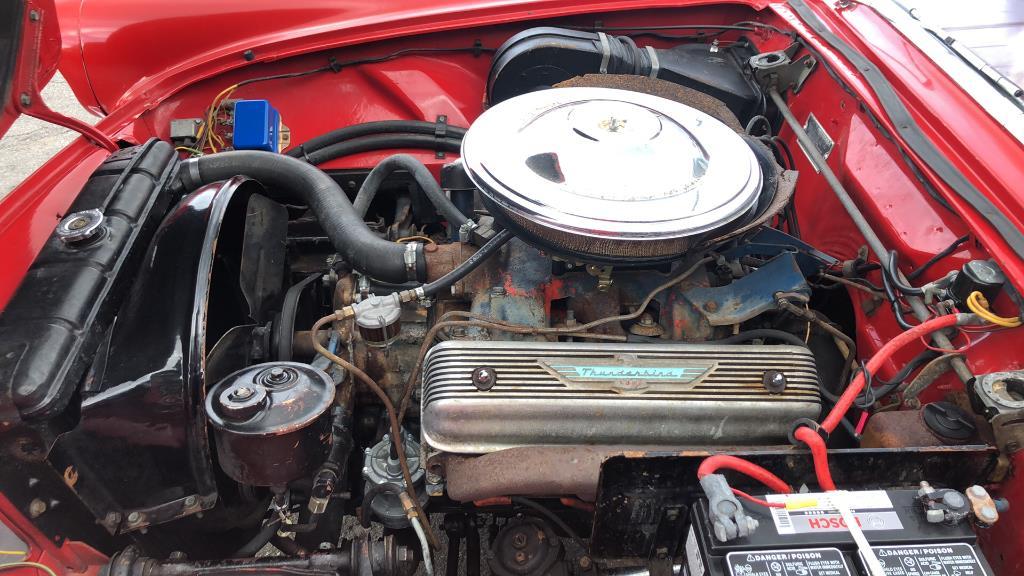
(119, 51)
(29, 50)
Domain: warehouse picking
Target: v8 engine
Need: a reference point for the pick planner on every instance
(584, 326)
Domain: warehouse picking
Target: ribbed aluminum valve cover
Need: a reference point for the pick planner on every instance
(606, 173)
(612, 394)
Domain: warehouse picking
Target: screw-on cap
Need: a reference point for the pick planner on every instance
(947, 421)
(79, 227)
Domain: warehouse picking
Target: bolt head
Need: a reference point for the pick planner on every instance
(720, 532)
(190, 501)
(36, 508)
(774, 381)
(978, 491)
(520, 557)
(988, 514)
(935, 516)
(484, 378)
(242, 393)
(134, 517)
(585, 562)
(751, 525)
(519, 540)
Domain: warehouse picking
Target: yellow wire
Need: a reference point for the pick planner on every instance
(411, 238)
(187, 149)
(211, 115)
(979, 305)
(35, 565)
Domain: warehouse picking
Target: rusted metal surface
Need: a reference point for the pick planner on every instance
(302, 343)
(576, 470)
(529, 471)
(344, 291)
(442, 259)
(901, 429)
(929, 374)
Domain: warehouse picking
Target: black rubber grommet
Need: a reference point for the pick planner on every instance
(806, 423)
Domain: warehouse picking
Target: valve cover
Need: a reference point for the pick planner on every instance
(613, 394)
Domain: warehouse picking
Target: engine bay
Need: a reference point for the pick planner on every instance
(572, 298)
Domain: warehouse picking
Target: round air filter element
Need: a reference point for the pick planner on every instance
(610, 175)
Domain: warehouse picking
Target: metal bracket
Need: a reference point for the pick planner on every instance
(29, 100)
(780, 71)
(440, 133)
(750, 295)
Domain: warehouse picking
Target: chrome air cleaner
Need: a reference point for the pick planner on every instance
(611, 175)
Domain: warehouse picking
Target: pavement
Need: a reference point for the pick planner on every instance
(30, 142)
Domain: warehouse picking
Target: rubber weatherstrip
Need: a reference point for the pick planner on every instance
(911, 132)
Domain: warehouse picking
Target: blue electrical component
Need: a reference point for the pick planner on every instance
(256, 126)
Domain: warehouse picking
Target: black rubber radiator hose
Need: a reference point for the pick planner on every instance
(362, 249)
(381, 142)
(423, 177)
(372, 128)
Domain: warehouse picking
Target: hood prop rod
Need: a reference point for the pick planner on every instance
(917, 305)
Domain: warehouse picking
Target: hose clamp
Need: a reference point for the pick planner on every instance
(655, 64)
(193, 172)
(466, 231)
(410, 260)
(606, 52)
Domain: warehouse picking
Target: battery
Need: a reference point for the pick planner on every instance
(812, 539)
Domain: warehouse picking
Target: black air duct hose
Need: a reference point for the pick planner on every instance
(379, 127)
(364, 250)
(423, 178)
(381, 142)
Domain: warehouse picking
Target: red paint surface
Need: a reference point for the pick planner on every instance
(38, 51)
(70, 557)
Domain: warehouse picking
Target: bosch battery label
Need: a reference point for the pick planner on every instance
(809, 513)
(929, 560)
(807, 562)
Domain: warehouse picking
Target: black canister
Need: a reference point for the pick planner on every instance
(271, 422)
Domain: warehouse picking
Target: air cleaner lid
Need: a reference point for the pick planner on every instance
(611, 164)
